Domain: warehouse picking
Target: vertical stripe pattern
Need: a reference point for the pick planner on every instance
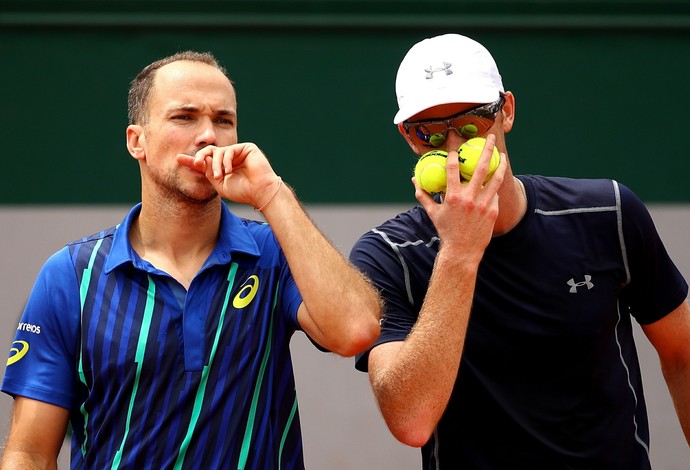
(184, 380)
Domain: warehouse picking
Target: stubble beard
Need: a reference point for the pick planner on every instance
(176, 189)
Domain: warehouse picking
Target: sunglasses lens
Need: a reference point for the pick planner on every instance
(468, 125)
(428, 135)
(472, 126)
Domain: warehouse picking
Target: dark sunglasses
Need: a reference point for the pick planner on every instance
(470, 123)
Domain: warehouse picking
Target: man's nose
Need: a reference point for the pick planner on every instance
(207, 133)
(454, 139)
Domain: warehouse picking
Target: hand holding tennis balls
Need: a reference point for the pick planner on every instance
(430, 170)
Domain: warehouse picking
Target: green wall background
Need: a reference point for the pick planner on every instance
(600, 89)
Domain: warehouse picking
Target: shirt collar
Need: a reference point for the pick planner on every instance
(234, 237)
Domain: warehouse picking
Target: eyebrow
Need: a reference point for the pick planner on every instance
(226, 112)
(190, 108)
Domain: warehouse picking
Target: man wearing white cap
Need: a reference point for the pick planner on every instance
(507, 336)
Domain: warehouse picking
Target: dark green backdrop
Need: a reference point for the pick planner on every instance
(601, 91)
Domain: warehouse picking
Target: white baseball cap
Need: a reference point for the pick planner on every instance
(445, 69)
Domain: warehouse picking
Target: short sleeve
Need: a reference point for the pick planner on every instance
(656, 286)
(43, 355)
(386, 268)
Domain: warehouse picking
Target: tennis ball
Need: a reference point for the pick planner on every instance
(437, 139)
(468, 156)
(430, 171)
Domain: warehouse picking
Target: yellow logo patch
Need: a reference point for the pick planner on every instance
(17, 352)
(247, 292)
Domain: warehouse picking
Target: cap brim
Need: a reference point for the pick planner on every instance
(445, 96)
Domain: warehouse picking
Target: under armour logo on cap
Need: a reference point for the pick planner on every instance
(446, 68)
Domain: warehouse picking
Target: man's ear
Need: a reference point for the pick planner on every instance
(135, 141)
(508, 112)
(402, 131)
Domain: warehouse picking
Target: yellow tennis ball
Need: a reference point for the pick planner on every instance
(430, 171)
(468, 156)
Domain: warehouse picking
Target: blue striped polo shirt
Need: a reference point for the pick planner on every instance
(159, 377)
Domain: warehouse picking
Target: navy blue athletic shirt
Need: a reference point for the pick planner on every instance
(549, 377)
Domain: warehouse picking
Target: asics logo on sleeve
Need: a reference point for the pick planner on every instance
(247, 292)
(18, 351)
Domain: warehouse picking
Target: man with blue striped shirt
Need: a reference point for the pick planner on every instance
(163, 342)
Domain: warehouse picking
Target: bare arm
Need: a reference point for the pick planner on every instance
(340, 309)
(413, 379)
(36, 435)
(671, 338)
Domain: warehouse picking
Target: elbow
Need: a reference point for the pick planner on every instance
(359, 339)
(368, 310)
(411, 435)
(358, 326)
(365, 337)
(363, 330)
(412, 427)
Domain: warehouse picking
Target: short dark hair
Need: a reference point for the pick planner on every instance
(140, 88)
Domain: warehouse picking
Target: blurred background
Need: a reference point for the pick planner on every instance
(600, 91)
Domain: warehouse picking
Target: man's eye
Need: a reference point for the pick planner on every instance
(225, 122)
(182, 117)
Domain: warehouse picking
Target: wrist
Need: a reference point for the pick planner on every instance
(457, 260)
(271, 197)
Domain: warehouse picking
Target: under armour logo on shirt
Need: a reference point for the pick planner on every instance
(574, 285)
(430, 71)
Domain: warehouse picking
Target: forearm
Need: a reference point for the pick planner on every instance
(36, 435)
(678, 383)
(671, 339)
(343, 308)
(18, 460)
(413, 382)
